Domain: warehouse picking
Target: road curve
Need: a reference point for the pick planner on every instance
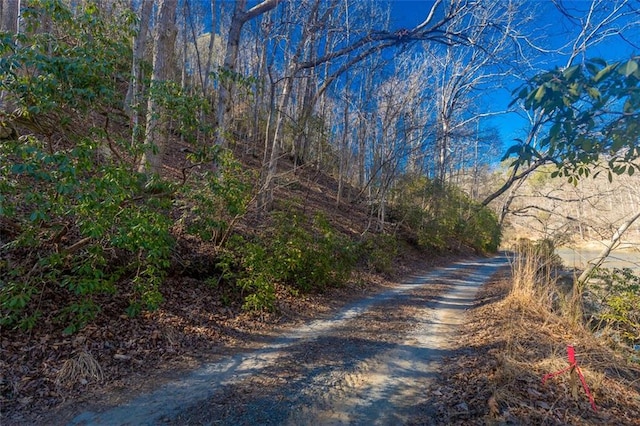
(371, 364)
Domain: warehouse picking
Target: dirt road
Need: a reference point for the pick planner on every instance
(371, 363)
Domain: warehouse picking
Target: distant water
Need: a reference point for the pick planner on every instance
(617, 259)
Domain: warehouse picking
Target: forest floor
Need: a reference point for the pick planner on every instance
(402, 351)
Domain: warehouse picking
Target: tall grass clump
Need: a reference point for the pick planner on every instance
(534, 270)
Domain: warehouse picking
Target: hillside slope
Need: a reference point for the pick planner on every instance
(200, 317)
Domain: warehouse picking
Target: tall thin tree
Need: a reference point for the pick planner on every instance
(156, 132)
(132, 98)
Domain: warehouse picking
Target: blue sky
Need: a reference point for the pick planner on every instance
(549, 22)
(558, 29)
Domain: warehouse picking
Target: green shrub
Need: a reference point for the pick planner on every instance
(379, 251)
(309, 259)
(246, 264)
(211, 203)
(72, 64)
(438, 215)
(304, 255)
(617, 297)
(482, 230)
(82, 223)
(75, 222)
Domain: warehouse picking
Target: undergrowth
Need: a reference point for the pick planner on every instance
(608, 304)
(613, 304)
(435, 215)
(534, 270)
(78, 224)
(304, 254)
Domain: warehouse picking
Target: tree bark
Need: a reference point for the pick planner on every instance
(239, 18)
(9, 11)
(156, 131)
(132, 99)
(606, 251)
(266, 202)
(210, 48)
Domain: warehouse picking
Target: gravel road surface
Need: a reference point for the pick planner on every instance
(372, 363)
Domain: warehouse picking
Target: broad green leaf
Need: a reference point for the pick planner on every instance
(523, 93)
(593, 93)
(631, 170)
(628, 68)
(513, 149)
(36, 215)
(545, 142)
(604, 72)
(555, 130)
(573, 89)
(628, 107)
(570, 72)
(617, 144)
(540, 93)
(592, 68)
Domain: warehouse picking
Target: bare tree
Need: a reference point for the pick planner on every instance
(132, 98)
(436, 28)
(586, 26)
(156, 131)
(313, 21)
(212, 39)
(598, 21)
(460, 72)
(240, 17)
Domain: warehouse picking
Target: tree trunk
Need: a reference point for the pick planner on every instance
(343, 152)
(187, 24)
(276, 150)
(207, 68)
(615, 239)
(163, 48)
(132, 99)
(239, 18)
(9, 11)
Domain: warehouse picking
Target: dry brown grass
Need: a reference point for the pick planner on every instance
(533, 269)
(514, 337)
(79, 369)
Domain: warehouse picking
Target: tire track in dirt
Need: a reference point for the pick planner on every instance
(371, 363)
(385, 389)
